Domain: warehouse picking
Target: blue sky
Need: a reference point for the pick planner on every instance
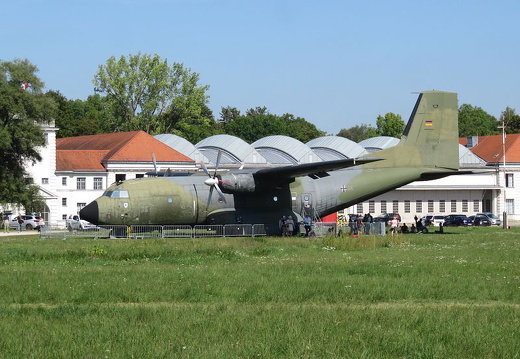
(335, 63)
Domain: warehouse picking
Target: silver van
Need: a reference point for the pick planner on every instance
(494, 219)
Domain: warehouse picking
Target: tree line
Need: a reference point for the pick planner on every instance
(145, 92)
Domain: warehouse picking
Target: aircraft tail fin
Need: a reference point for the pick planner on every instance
(431, 136)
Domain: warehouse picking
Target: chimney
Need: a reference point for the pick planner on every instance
(472, 141)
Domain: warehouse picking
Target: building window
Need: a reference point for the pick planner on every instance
(64, 202)
(395, 206)
(510, 206)
(453, 206)
(371, 206)
(98, 183)
(430, 206)
(81, 183)
(465, 205)
(509, 180)
(120, 177)
(476, 205)
(45, 181)
(80, 206)
(360, 208)
(407, 206)
(442, 206)
(63, 181)
(139, 175)
(63, 216)
(383, 206)
(418, 206)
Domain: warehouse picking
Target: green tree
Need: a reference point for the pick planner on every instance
(228, 114)
(511, 120)
(391, 125)
(79, 118)
(474, 121)
(188, 116)
(301, 129)
(22, 109)
(358, 133)
(147, 94)
(259, 123)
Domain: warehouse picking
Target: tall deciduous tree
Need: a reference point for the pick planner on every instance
(228, 114)
(358, 133)
(258, 123)
(511, 120)
(474, 121)
(391, 125)
(22, 108)
(152, 96)
(78, 117)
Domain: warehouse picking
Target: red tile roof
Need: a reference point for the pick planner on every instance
(489, 148)
(94, 152)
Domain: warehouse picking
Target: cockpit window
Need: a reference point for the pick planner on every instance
(117, 193)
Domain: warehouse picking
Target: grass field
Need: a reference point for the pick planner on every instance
(455, 295)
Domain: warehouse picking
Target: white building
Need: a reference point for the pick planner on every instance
(76, 170)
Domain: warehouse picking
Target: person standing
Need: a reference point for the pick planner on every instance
(393, 225)
(41, 227)
(19, 221)
(283, 226)
(6, 223)
(290, 226)
(307, 224)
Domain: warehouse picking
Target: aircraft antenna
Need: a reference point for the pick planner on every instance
(154, 161)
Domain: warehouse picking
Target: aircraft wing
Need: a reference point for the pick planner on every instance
(313, 170)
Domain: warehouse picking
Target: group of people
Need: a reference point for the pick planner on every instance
(19, 223)
(289, 227)
(360, 224)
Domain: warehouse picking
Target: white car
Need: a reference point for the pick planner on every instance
(74, 223)
(29, 222)
(432, 219)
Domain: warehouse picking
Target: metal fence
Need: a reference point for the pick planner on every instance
(319, 229)
(157, 231)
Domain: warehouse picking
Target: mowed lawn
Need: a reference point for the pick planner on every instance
(452, 295)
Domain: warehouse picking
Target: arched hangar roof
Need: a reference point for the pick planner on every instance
(234, 150)
(285, 150)
(379, 143)
(183, 146)
(330, 148)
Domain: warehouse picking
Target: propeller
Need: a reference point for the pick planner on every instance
(213, 181)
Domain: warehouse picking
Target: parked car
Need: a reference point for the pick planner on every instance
(78, 224)
(432, 220)
(386, 217)
(480, 220)
(457, 220)
(29, 222)
(494, 219)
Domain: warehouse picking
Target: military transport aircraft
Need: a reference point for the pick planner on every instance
(428, 149)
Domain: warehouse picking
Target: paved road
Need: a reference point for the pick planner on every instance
(15, 233)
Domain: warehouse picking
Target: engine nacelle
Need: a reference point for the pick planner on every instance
(237, 183)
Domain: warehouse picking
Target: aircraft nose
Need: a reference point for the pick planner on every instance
(90, 212)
